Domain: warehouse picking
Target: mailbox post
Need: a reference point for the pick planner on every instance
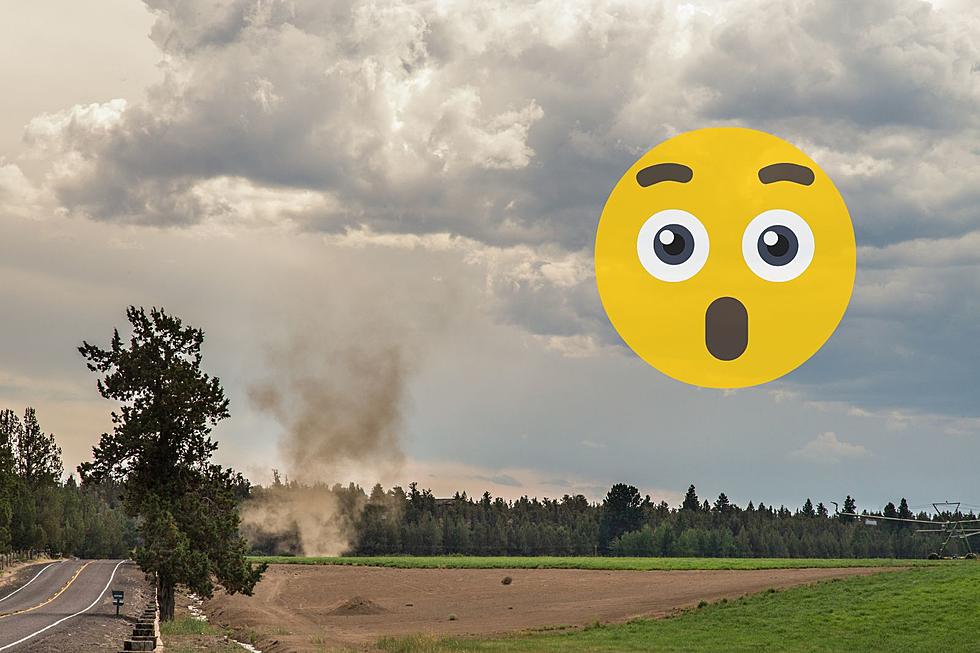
(117, 599)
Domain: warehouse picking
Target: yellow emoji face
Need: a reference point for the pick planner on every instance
(725, 257)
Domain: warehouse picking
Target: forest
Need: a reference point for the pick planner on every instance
(40, 510)
(624, 523)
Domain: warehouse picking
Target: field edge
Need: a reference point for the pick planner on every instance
(597, 563)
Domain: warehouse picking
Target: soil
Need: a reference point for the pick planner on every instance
(19, 573)
(312, 608)
(355, 606)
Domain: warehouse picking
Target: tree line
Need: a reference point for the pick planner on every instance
(39, 511)
(624, 523)
(151, 491)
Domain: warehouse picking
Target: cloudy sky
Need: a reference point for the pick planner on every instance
(384, 212)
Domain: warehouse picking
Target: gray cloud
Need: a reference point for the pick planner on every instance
(908, 341)
(507, 126)
(468, 121)
(828, 448)
(500, 479)
(872, 64)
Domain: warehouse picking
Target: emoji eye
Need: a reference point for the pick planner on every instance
(672, 245)
(778, 245)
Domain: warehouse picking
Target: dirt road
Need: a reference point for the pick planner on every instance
(66, 606)
(297, 607)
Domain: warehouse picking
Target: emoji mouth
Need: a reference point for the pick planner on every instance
(726, 328)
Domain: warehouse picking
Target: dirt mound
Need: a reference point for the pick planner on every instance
(357, 605)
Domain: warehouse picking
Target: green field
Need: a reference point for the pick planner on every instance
(933, 608)
(548, 562)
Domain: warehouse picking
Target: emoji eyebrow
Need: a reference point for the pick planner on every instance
(786, 172)
(664, 172)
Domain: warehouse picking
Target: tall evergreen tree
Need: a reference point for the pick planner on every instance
(38, 455)
(903, 510)
(850, 507)
(8, 478)
(621, 512)
(691, 501)
(10, 428)
(160, 449)
(722, 504)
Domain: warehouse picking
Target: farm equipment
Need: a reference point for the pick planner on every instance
(962, 529)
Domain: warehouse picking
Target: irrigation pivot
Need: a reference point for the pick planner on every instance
(963, 529)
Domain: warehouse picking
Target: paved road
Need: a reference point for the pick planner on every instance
(53, 596)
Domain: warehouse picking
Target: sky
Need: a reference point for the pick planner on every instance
(395, 202)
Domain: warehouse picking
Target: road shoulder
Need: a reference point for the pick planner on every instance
(20, 573)
(100, 629)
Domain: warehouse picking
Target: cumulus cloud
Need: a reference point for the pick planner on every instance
(496, 130)
(827, 448)
(508, 123)
(415, 118)
(18, 195)
(819, 58)
(545, 289)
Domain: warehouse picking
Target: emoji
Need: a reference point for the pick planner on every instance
(725, 257)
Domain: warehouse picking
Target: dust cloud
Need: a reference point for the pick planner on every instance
(339, 408)
(335, 382)
(341, 414)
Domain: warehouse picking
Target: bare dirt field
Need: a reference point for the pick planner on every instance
(316, 608)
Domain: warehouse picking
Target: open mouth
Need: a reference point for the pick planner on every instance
(726, 328)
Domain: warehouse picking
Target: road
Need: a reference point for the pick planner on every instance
(52, 598)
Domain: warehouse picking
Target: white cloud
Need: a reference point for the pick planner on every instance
(578, 346)
(455, 157)
(18, 195)
(88, 120)
(497, 130)
(827, 448)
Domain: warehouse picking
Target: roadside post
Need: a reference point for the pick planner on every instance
(117, 599)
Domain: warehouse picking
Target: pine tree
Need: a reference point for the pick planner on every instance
(160, 449)
(38, 455)
(691, 500)
(808, 508)
(850, 507)
(722, 504)
(903, 509)
(8, 479)
(622, 512)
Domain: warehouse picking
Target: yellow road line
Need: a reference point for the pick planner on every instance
(53, 597)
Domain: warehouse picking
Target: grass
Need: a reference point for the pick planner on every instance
(185, 634)
(188, 626)
(929, 608)
(554, 562)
